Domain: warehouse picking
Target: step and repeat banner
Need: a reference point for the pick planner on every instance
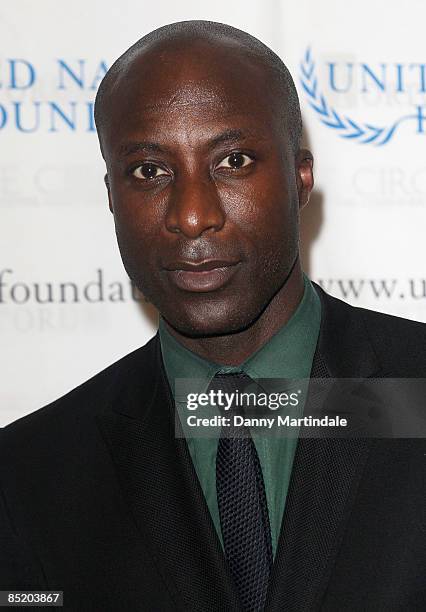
(67, 308)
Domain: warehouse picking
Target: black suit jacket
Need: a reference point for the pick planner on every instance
(101, 501)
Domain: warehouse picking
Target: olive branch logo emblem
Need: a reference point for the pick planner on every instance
(346, 127)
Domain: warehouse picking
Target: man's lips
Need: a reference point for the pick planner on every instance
(201, 276)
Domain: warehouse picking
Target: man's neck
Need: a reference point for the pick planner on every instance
(234, 349)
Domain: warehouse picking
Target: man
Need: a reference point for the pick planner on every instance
(199, 126)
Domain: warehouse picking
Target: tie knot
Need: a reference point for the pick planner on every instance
(231, 382)
(234, 388)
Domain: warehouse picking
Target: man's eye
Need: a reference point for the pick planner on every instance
(148, 171)
(235, 160)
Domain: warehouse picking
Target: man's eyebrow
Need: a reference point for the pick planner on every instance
(140, 147)
(227, 137)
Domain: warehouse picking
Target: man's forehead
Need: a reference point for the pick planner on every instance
(190, 110)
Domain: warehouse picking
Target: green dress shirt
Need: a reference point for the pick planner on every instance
(288, 354)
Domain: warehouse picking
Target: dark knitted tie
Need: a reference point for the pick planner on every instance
(242, 505)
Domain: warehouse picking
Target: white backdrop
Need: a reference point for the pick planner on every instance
(66, 306)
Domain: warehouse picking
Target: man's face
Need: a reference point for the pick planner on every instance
(203, 186)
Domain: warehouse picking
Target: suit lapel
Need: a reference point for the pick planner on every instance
(325, 475)
(161, 487)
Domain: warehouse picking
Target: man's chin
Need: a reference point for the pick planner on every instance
(210, 325)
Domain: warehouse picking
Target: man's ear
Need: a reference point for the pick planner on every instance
(304, 176)
(106, 181)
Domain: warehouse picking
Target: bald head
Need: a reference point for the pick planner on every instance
(193, 45)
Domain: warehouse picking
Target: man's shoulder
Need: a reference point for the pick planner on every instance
(386, 326)
(399, 343)
(76, 408)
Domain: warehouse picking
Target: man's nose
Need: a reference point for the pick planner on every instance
(194, 208)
